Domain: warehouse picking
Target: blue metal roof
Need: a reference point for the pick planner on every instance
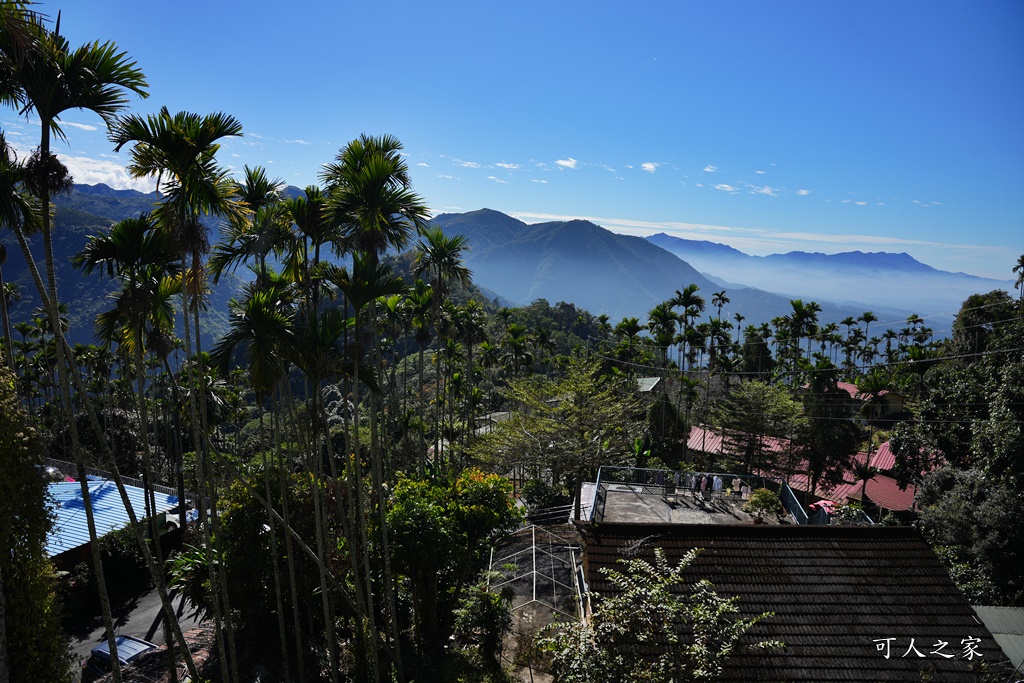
(70, 528)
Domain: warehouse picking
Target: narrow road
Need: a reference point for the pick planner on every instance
(141, 618)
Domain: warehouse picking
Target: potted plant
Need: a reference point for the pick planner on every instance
(762, 502)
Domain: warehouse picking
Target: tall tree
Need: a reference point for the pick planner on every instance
(692, 305)
(719, 300)
(45, 76)
(830, 437)
(752, 413)
(441, 256)
(180, 150)
(1019, 284)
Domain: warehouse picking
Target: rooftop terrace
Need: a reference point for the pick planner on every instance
(628, 495)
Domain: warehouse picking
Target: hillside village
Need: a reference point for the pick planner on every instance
(252, 432)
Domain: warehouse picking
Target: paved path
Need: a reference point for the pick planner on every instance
(141, 618)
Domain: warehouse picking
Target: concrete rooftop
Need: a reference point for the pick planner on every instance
(644, 504)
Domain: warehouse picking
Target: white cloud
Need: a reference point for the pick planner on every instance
(88, 171)
(497, 180)
(861, 203)
(803, 193)
(766, 190)
(543, 182)
(649, 166)
(725, 188)
(510, 167)
(567, 163)
(448, 177)
(423, 164)
(79, 126)
(465, 164)
(296, 142)
(710, 168)
(698, 184)
(760, 172)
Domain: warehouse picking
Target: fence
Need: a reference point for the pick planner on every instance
(69, 468)
(658, 481)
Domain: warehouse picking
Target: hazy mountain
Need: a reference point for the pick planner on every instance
(87, 211)
(594, 268)
(871, 281)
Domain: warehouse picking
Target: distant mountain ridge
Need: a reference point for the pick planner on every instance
(579, 262)
(594, 268)
(870, 259)
(871, 280)
(86, 211)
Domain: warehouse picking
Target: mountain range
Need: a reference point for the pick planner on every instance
(574, 261)
(873, 280)
(84, 212)
(619, 275)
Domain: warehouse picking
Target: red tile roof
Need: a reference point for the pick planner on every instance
(882, 489)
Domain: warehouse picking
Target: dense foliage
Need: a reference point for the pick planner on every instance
(695, 629)
(33, 647)
(332, 434)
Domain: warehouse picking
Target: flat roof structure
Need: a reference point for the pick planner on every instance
(70, 528)
(638, 504)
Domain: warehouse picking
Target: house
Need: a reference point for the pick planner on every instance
(882, 489)
(889, 402)
(850, 603)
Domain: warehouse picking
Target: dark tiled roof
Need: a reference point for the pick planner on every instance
(834, 592)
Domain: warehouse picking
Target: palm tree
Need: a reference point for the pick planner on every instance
(472, 331)
(718, 300)
(372, 205)
(867, 317)
(43, 75)
(367, 281)
(263, 326)
(180, 150)
(442, 257)
(370, 197)
(421, 302)
(52, 78)
(1019, 284)
(313, 232)
(692, 305)
(661, 322)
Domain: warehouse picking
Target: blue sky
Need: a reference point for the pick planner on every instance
(819, 126)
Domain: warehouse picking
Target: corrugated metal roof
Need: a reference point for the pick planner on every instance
(70, 528)
(1007, 627)
(644, 384)
(884, 459)
(1002, 619)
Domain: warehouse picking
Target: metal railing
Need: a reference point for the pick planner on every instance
(659, 481)
(70, 468)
